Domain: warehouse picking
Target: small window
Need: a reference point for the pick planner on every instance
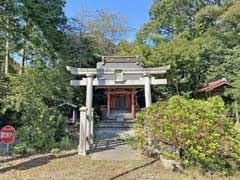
(118, 75)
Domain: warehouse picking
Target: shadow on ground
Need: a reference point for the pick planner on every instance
(39, 161)
(134, 169)
(17, 157)
(107, 144)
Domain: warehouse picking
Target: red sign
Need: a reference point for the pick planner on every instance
(6, 134)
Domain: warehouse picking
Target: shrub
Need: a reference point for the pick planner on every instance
(196, 132)
(19, 148)
(65, 142)
(55, 150)
(35, 96)
(41, 128)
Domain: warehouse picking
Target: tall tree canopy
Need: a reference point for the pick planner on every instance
(31, 30)
(199, 39)
(105, 27)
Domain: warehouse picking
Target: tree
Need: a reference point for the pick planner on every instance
(173, 17)
(7, 20)
(32, 30)
(35, 97)
(43, 29)
(235, 94)
(199, 39)
(127, 48)
(105, 27)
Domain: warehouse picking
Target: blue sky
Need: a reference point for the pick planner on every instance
(135, 10)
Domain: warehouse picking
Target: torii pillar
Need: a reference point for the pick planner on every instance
(147, 89)
(89, 101)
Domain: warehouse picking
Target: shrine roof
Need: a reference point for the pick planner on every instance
(213, 85)
(119, 62)
(128, 65)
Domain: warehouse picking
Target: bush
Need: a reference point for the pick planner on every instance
(65, 142)
(19, 148)
(42, 128)
(35, 97)
(55, 150)
(196, 132)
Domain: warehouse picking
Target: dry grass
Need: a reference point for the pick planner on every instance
(68, 166)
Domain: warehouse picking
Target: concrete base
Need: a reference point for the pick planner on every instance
(117, 133)
(111, 145)
(112, 149)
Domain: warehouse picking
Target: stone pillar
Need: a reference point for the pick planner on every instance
(92, 128)
(74, 115)
(82, 151)
(133, 105)
(147, 88)
(89, 100)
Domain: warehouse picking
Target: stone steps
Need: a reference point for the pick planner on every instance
(121, 116)
(117, 133)
(116, 124)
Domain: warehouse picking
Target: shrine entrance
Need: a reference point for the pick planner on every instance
(120, 102)
(119, 76)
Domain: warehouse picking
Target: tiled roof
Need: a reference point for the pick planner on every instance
(213, 85)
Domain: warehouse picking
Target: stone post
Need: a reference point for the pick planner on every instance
(82, 132)
(74, 115)
(147, 88)
(92, 128)
(89, 100)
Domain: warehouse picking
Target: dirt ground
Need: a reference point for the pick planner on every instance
(68, 165)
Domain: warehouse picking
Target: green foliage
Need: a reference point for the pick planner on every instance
(126, 48)
(65, 142)
(183, 57)
(35, 96)
(38, 36)
(33, 29)
(234, 93)
(55, 150)
(199, 39)
(173, 17)
(193, 131)
(19, 148)
(4, 86)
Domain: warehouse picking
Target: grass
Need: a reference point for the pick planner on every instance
(68, 165)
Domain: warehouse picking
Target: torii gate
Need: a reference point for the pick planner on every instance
(92, 75)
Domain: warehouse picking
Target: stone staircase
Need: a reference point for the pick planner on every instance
(116, 124)
(120, 116)
(118, 120)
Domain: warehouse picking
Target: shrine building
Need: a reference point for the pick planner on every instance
(119, 76)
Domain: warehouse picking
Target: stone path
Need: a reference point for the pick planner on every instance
(111, 146)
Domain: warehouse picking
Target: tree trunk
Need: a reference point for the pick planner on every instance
(23, 51)
(236, 111)
(30, 56)
(7, 47)
(22, 61)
